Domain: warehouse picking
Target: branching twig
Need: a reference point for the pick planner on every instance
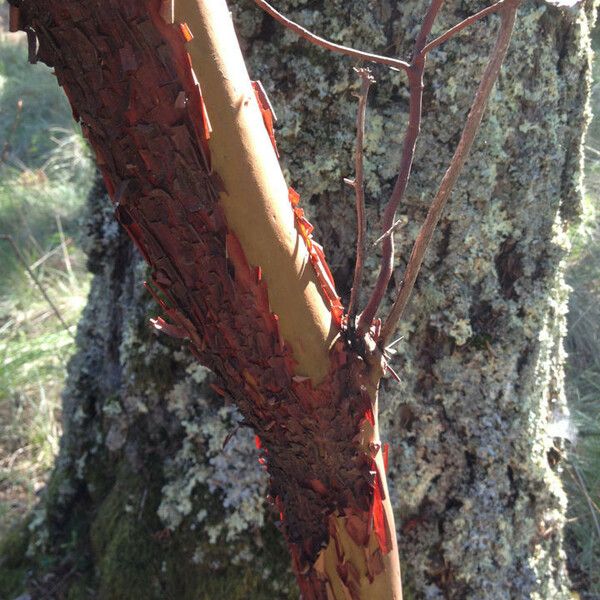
(37, 282)
(415, 81)
(507, 13)
(468, 21)
(415, 70)
(426, 27)
(328, 45)
(359, 189)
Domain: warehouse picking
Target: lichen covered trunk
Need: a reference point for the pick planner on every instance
(474, 477)
(144, 501)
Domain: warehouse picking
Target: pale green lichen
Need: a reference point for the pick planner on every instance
(202, 461)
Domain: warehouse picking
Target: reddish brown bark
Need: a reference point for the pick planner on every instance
(127, 74)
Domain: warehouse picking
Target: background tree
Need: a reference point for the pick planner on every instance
(480, 510)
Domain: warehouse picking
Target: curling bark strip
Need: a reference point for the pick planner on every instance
(195, 182)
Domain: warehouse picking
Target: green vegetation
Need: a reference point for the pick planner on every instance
(582, 472)
(45, 172)
(13, 546)
(135, 552)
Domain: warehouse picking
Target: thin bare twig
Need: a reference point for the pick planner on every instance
(426, 27)
(438, 41)
(359, 189)
(460, 26)
(507, 13)
(328, 45)
(35, 279)
(415, 82)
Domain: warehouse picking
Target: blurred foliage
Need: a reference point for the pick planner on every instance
(45, 173)
(582, 471)
(31, 106)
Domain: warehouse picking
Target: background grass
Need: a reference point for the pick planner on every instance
(582, 470)
(45, 172)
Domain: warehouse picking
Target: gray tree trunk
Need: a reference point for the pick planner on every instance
(144, 501)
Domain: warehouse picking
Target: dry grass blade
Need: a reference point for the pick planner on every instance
(36, 281)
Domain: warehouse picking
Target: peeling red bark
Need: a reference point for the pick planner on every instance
(128, 77)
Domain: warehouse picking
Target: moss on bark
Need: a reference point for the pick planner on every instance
(13, 562)
(135, 556)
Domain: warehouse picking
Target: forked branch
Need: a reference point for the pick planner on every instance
(507, 15)
(415, 83)
(460, 26)
(414, 70)
(328, 45)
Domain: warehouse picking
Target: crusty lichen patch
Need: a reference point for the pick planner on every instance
(202, 460)
(135, 557)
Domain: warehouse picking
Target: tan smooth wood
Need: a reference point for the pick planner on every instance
(256, 199)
